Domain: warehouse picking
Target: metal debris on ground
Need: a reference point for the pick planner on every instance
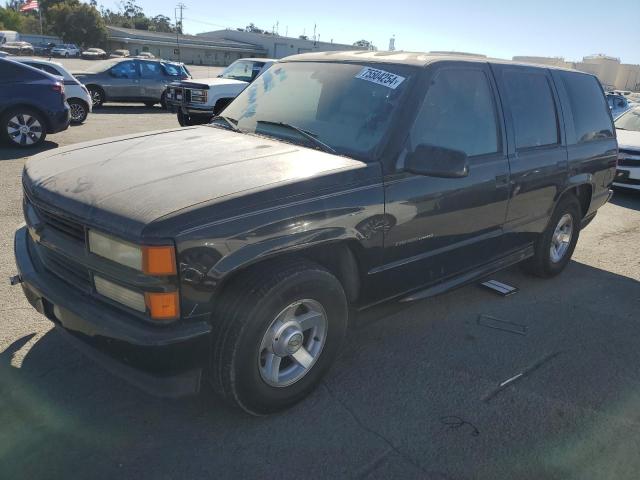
(505, 326)
(500, 288)
(525, 372)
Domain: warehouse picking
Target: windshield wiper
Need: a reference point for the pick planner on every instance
(229, 121)
(620, 128)
(309, 136)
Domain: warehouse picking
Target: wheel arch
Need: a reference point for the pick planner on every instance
(98, 87)
(582, 188)
(30, 106)
(340, 258)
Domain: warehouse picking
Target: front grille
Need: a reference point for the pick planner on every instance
(66, 269)
(59, 223)
(628, 158)
(64, 225)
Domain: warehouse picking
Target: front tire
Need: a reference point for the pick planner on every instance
(281, 327)
(79, 111)
(22, 127)
(556, 244)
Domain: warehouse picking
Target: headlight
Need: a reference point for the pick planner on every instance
(151, 260)
(199, 96)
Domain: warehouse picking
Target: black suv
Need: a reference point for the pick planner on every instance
(234, 252)
(32, 104)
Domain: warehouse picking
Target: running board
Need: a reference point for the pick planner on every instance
(471, 276)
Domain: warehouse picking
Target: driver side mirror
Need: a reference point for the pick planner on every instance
(434, 161)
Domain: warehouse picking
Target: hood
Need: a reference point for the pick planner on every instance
(211, 82)
(123, 184)
(628, 139)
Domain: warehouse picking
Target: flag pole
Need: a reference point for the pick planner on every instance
(40, 14)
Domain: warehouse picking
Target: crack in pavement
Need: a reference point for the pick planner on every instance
(362, 425)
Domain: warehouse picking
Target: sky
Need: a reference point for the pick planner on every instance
(558, 28)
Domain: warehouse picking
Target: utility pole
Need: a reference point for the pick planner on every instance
(181, 6)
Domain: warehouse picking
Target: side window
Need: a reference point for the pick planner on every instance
(45, 68)
(591, 118)
(10, 72)
(124, 70)
(532, 108)
(150, 70)
(458, 112)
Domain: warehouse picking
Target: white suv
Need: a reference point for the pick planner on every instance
(77, 94)
(66, 50)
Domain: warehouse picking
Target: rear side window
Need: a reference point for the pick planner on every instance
(532, 108)
(591, 119)
(125, 70)
(458, 113)
(45, 68)
(10, 72)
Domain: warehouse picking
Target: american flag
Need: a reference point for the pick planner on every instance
(30, 5)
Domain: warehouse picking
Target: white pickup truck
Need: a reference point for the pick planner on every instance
(196, 101)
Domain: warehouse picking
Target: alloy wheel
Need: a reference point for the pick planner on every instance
(77, 112)
(561, 238)
(293, 343)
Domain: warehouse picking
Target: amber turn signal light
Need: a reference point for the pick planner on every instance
(163, 306)
(159, 260)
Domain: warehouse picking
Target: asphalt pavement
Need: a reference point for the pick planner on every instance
(543, 384)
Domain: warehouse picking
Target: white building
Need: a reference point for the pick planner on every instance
(611, 73)
(276, 46)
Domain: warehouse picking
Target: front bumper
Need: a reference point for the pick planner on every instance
(627, 177)
(162, 360)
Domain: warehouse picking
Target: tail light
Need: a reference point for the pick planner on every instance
(58, 87)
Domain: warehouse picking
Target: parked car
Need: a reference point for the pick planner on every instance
(77, 94)
(233, 252)
(628, 132)
(32, 104)
(9, 36)
(43, 49)
(65, 50)
(131, 80)
(17, 48)
(94, 54)
(618, 104)
(196, 101)
(120, 53)
(147, 55)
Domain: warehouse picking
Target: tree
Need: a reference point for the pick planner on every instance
(253, 29)
(365, 45)
(77, 23)
(161, 23)
(10, 19)
(30, 24)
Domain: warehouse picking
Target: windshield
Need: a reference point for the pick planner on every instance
(100, 66)
(245, 71)
(175, 70)
(629, 120)
(346, 106)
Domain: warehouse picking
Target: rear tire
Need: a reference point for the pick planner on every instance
(22, 127)
(554, 247)
(79, 111)
(263, 316)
